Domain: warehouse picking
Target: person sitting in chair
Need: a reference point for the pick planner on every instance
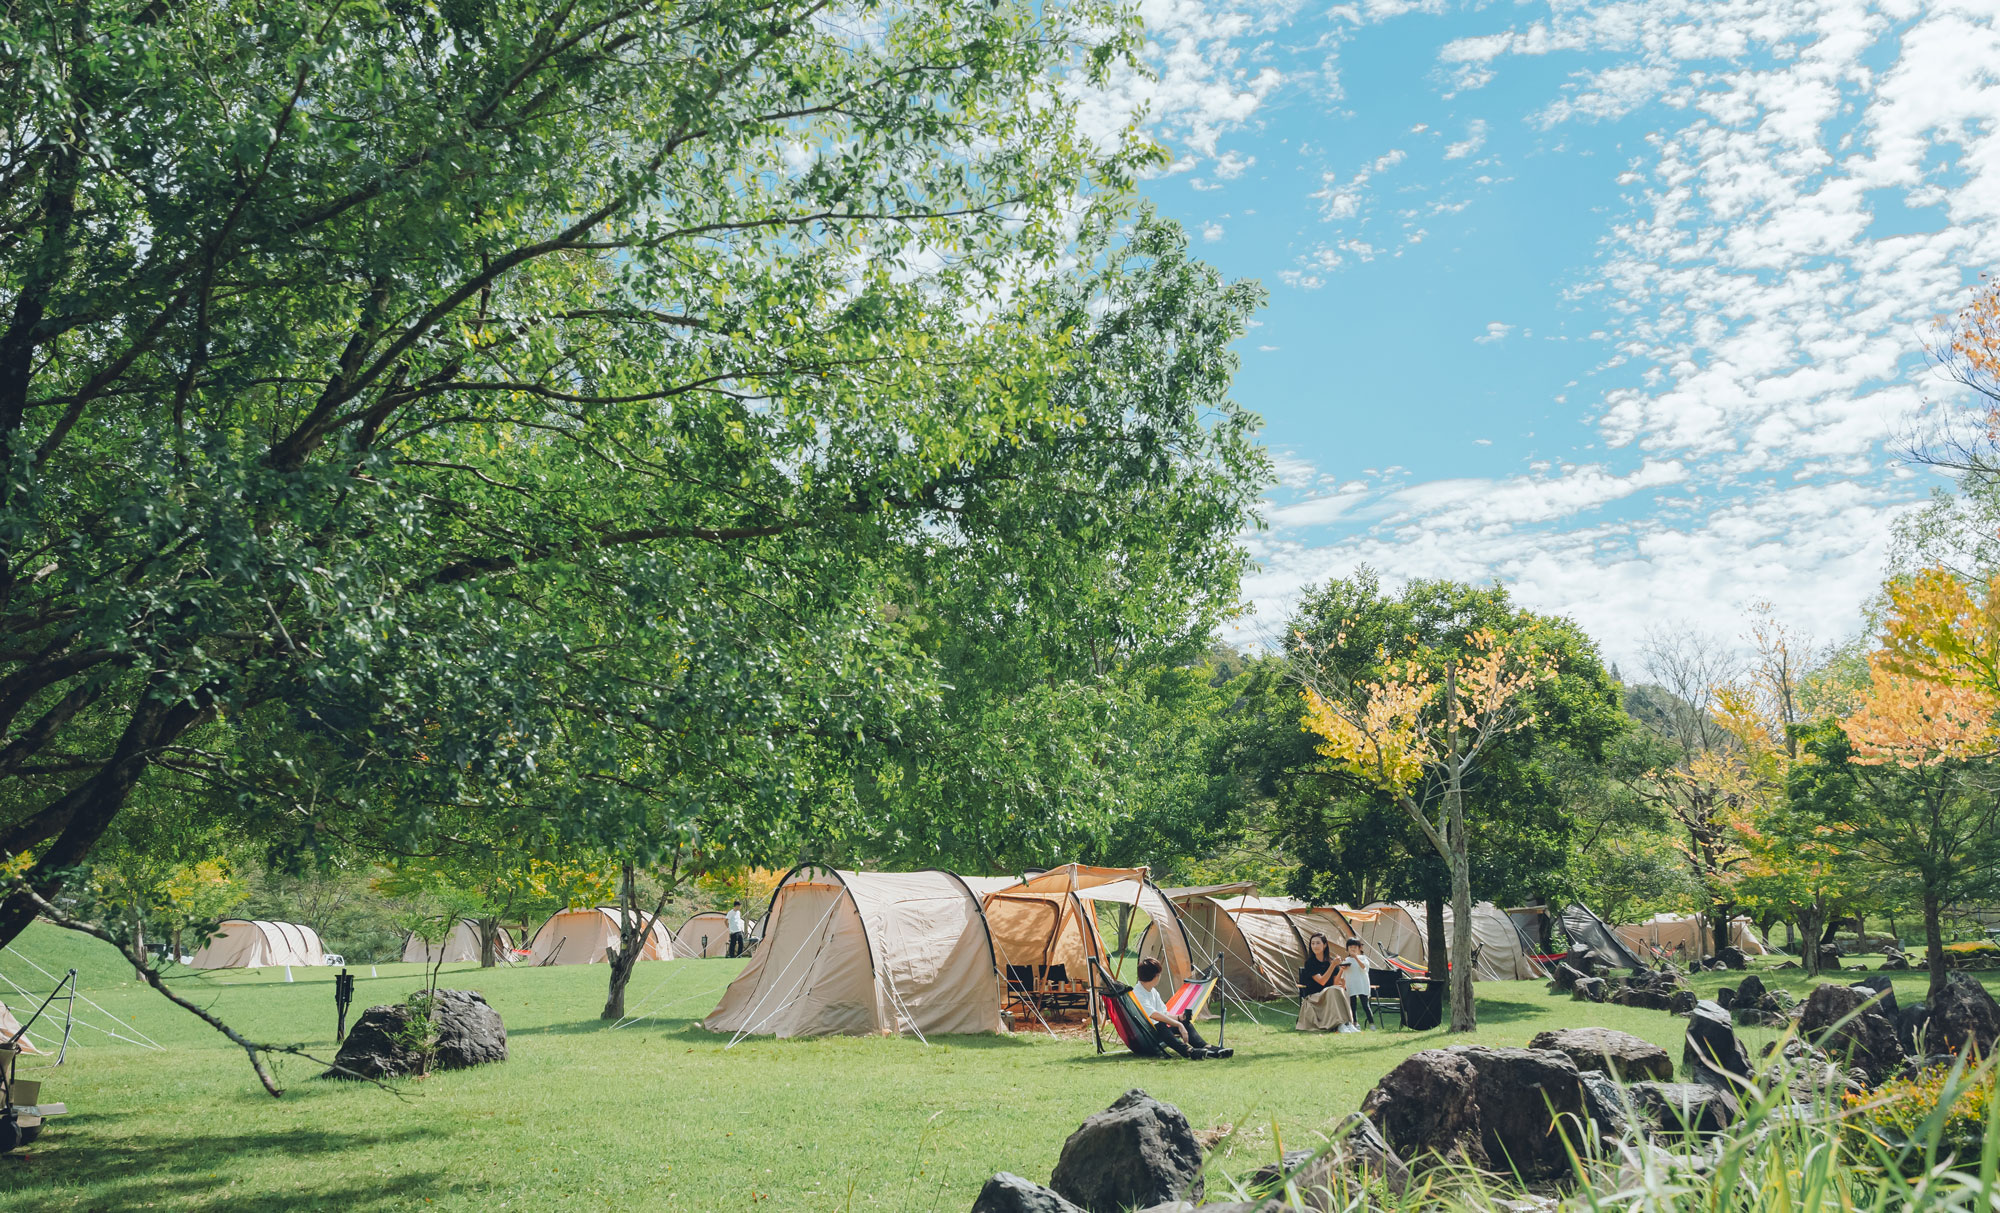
(1176, 1032)
(1323, 1005)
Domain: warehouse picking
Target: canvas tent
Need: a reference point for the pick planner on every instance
(1262, 940)
(1049, 919)
(857, 953)
(1684, 938)
(706, 934)
(242, 943)
(10, 1027)
(1499, 952)
(461, 945)
(1586, 928)
(580, 937)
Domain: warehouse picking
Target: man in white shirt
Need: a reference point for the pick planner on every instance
(1177, 1033)
(735, 930)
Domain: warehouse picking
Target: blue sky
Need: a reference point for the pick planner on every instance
(1621, 303)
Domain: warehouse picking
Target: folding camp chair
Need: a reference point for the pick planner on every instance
(1385, 993)
(1134, 1028)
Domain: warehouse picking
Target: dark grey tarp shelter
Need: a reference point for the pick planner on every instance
(1588, 929)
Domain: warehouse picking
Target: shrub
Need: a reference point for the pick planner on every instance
(1903, 1115)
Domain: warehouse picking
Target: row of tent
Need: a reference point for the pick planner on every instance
(568, 937)
(581, 937)
(866, 952)
(1263, 940)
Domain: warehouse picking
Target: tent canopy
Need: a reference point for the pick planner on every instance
(1585, 927)
(858, 953)
(1049, 918)
(242, 943)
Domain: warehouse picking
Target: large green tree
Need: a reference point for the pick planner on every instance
(536, 406)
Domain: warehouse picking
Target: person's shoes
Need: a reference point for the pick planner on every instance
(1347, 1027)
(1219, 1054)
(1197, 1055)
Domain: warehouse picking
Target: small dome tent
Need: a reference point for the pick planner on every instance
(242, 943)
(460, 946)
(707, 934)
(581, 937)
(857, 953)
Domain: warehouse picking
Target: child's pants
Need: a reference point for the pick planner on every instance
(1361, 1008)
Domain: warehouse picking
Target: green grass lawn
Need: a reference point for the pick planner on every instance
(658, 1115)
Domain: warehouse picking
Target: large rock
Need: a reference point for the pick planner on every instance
(1609, 1106)
(1501, 1109)
(469, 1033)
(1009, 1193)
(1620, 1054)
(1644, 997)
(1565, 977)
(1829, 957)
(1750, 992)
(1732, 957)
(1843, 1021)
(1685, 1106)
(1135, 1153)
(1963, 1018)
(1711, 1045)
(1357, 1156)
(1588, 989)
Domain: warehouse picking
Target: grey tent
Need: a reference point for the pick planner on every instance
(1588, 929)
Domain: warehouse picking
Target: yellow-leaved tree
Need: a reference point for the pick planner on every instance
(1416, 735)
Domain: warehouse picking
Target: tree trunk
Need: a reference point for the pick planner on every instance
(1463, 1018)
(1809, 921)
(1791, 937)
(631, 944)
(489, 942)
(138, 931)
(176, 957)
(1720, 916)
(1435, 943)
(1934, 944)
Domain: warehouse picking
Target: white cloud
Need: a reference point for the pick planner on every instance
(1475, 138)
(1231, 165)
(1760, 323)
(1211, 232)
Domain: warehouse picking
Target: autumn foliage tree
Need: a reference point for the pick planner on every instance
(1416, 734)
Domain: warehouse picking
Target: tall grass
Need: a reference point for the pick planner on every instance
(1782, 1156)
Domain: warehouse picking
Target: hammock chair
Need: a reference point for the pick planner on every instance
(1134, 1028)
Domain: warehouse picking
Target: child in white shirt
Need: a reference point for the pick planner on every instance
(1355, 982)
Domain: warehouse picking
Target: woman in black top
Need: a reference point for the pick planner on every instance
(1322, 1006)
(1320, 966)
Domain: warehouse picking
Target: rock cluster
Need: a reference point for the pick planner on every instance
(1141, 1154)
(469, 1033)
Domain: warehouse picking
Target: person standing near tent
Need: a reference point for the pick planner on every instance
(735, 930)
(1177, 1032)
(1322, 1006)
(1354, 982)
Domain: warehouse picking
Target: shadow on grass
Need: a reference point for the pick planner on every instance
(139, 1172)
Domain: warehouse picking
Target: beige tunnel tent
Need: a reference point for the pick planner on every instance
(461, 945)
(242, 943)
(1262, 940)
(1684, 938)
(581, 937)
(857, 953)
(706, 934)
(1499, 953)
